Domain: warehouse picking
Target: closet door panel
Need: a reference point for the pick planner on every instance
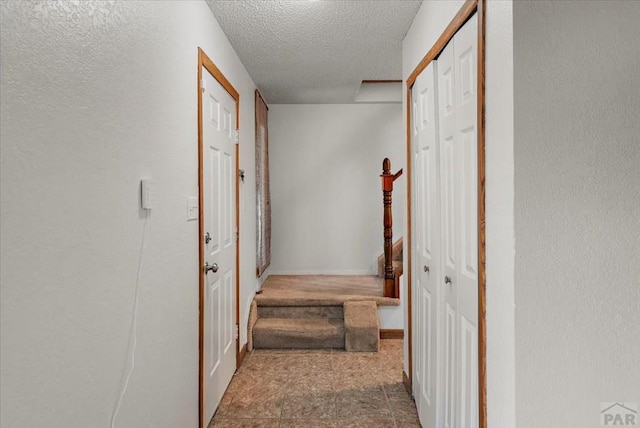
(465, 54)
(449, 166)
(427, 244)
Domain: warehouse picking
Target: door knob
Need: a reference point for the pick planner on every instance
(210, 268)
(447, 280)
(207, 238)
(426, 268)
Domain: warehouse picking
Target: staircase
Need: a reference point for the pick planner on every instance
(311, 312)
(320, 311)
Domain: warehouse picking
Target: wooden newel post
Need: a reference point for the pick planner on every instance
(387, 189)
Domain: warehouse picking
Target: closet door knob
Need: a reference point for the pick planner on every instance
(426, 268)
(447, 280)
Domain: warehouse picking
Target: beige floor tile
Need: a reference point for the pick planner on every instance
(358, 381)
(392, 345)
(269, 351)
(309, 362)
(312, 382)
(308, 423)
(373, 394)
(311, 406)
(403, 409)
(245, 423)
(285, 351)
(352, 361)
(395, 389)
(266, 362)
(257, 384)
(367, 422)
(387, 363)
(408, 424)
(249, 406)
(370, 403)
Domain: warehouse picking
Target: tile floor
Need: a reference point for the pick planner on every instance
(319, 389)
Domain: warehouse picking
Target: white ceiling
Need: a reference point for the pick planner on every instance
(316, 52)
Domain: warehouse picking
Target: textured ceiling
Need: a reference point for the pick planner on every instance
(316, 51)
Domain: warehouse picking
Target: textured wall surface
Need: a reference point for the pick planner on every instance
(577, 183)
(326, 195)
(95, 96)
(430, 21)
(316, 52)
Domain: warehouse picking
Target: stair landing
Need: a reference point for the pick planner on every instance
(322, 290)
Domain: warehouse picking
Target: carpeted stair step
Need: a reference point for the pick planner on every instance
(298, 333)
(300, 312)
(362, 326)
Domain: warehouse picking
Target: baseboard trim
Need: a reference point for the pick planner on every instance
(407, 383)
(392, 333)
(241, 356)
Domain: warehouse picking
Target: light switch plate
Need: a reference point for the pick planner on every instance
(192, 208)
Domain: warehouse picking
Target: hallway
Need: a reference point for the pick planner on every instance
(319, 388)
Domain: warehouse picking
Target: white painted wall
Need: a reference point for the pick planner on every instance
(429, 23)
(96, 96)
(326, 195)
(577, 186)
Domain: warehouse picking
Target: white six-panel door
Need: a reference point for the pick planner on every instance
(466, 279)
(448, 230)
(218, 130)
(426, 250)
(444, 150)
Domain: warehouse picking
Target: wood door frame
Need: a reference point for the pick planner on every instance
(462, 16)
(205, 61)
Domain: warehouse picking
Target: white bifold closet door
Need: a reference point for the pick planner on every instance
(426, 227)
(445, 289)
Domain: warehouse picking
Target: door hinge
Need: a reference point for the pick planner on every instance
(237, 137)
(237, 234)
(203, 85)
(236, 331)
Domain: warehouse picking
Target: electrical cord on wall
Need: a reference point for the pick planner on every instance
(133, 332)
